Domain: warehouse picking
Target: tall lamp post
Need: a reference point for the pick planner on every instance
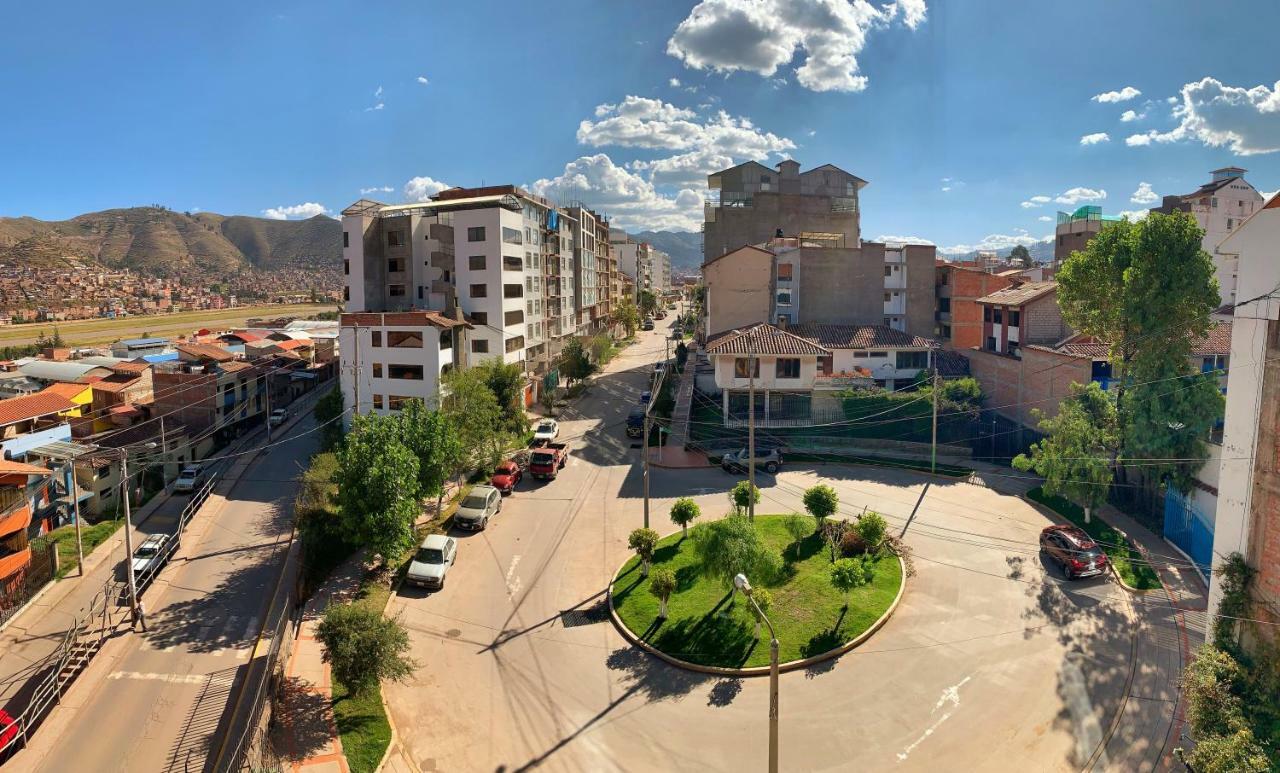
(741, 583)
(135, 609)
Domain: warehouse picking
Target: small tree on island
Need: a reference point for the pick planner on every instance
(763, 599)
(741, 496)
(683, 511)
(821, 501)
(732, 546)
(798, 526)
(575, 365)
(872, 528)
(643, 542)
(850, 573)
(363, 647)
(662, 583)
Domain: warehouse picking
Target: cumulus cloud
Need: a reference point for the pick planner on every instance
(1134, 215)
(631, 201)
(376, 189)
(673, 83)
(1123, 95)
(423, 80)
(762, 35)
(1076, 195)
(886, 239)
(1045, 219)
(996, 242)
(1095, 138)
(423, 188)
(1129, 116)
(1036, 201)
(309, 209)
(1144, 195)
(950, 183)
(1246, 120)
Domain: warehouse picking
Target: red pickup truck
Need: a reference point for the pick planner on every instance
(547, 458)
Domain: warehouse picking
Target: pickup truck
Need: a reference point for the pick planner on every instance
(547, 459)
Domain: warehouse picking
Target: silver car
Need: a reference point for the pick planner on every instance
(477, 508)
(431, 564)
(189, 479)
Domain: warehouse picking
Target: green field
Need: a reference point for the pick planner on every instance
(702, 627)
(87, 332)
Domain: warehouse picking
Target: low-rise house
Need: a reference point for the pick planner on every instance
(22, 487)
(132, 348)
(1019, 315)
(958, 315)
(21, 415)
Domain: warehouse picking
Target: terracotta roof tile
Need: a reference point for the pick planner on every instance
(1023, 293)
(857, 336)
(69, 391)
(132, 366)
(763, 339)
(43, 403)
(10, 467)
(1217, 342)
(206, 352)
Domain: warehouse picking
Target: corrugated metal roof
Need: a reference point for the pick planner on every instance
(48, 370)
(1019, 294)
(141, 342)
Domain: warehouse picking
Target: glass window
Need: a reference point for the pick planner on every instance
(377, 402)
(377, 338)
(513, 317)
(404, 339)
(784, 272)
(480, 317)
(395, 238)
(479, 291)
(787, 367)
(476, 263)
(446, 339)
(741, 369)
(997, 315)
(479, 346)
(887, 271)
(377, 370)
(784, 297)
(515, 344)
(405, 372)
(511, 236)
(512, 291)
(912, 360)
(395, 291)
(1015, 318)
(475, 234)
(396, 402)
(346, 268)
(346, 239)
(511, 263)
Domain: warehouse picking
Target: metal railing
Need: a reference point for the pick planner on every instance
(144, 578)
(38, 573)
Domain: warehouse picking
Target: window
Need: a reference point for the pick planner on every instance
(405, 372)
(511, 263)
(515, 344)
(346, 239)
(476, 263)
(1012, 349)
(395, 238)
(741, 370)
(479, 346)
(784, 297)
(986, 313)
(944, 305)
(1015, 318)
(377, 370)
(395, 265)
(404, 339)
(446, 339)
(377, 402)
(513, 291)
(395, 291)
(787, 367)
(784, 272)
(825, 366)
(913, 360)
(997, 315)
(479, 291)
(480, 317)
(513, 317)
(475, 234)
(377, 338)
(346, 293)
(888, 271)
(346, 268)
(886, 297)
(420, 292)
(396, 402)
(511, 236)
(991, 343)
(877, 354)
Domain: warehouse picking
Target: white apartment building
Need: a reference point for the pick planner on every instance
(1219, 206)
(634, 260)
(660, 263)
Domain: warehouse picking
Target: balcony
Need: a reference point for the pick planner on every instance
(14, 562)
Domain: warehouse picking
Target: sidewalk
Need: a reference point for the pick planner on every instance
(308, 736)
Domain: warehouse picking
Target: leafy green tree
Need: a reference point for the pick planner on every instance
(648, 302)
(363, 648)
(763, 600)
(476, 416)
(1075, 456)
(601, 347)
(328, 413)
(798, 526)
(850, 573)
(821, 501)
(872, 528)
(575, 365)
(377, 481)
(627, 315)
(433, 439)
(1216, 686)
(1021, 256)
(683, 511)
(662, 583)
(506, 381)
(643, 542)
(732, 546)
(741, 497)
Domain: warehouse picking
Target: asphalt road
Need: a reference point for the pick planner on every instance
(168, 692)
(992, 662)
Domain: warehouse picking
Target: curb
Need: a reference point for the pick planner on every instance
(1059, 518)
(791, 665)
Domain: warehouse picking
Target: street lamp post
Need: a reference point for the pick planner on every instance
(741, 583)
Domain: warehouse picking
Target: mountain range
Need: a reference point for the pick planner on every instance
(684, 247)
(161, 242)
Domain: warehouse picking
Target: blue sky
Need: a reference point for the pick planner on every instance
(957, 113)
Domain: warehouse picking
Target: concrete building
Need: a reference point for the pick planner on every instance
(634, 260)
(1219, 206)
(22, 488)
(751, 203)
(959, 316)
(593, 265)
(1075, 229)
(1021, 315)
(1248, 512)
(661, 267)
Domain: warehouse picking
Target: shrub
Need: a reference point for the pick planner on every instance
(852, 544)
(799, 527)
(732, 546)
(662, 583)
(741, 496)
(872, 527)
(683, 511)
(643, 542)
(362, 647)
(833, 534)
(850, 573)
(821, 501)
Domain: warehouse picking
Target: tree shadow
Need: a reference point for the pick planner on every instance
(652, 678)
(713, 639)
(687, 577)
(825, 640)
(305, 729)
(723, 692)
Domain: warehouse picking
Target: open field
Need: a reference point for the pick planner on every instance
(88, 332)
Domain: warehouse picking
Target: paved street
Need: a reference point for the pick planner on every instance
(167, 690)
(991, 662)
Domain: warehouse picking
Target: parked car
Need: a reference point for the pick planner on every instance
(1073, 550)
(547, 429)
(506, 476)
(645, 397)
(659, 314)
(432, 562)
(769, 460)
(189, 479)
(647, 324)
(9, 729)
(477, 508)
(635, 421)
(278, 417)
(548, 459)
(147, 555)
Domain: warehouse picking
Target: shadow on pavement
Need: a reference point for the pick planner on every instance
(305, 732)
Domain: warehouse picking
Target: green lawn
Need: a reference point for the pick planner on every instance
(1129, 563)
(362, 722)
(809, 615)
(92, 535)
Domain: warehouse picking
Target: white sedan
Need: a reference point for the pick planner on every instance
(547, 429)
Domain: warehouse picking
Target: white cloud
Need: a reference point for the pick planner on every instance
(640, 122)
(1076, 195)
(377, 93)
(812, 132)
(674, 83)
(904, 240)
(423, 188)
(1045, 219)
(376, 189)
(309, 209)
(1144, 195)
(762, 35)
(1095, 138)
(1123, 95)
(1036, 201)
(423, 80)
(951, 183)
(1247, 120)
(1134, 215)
(631, 201)
(996, 242)
(378, 106)
(1130, 116)
(1265, 196)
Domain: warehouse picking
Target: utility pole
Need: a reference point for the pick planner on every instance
(135, 610)
(267, 380)
(751, 427)
(933, 456)
(75, 504)
(164, 456)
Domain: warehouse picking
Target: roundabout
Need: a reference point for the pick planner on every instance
(710, 629)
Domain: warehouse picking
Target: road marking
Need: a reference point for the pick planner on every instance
(950, 695)
(219, 680)
(225, 635)
(250, 632)
(513, 581)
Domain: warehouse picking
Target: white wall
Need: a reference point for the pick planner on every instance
(355, 226)
(359, 355)
(725, 378)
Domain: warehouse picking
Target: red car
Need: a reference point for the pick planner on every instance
(1074, 551)
(506, 476)
(9, 728)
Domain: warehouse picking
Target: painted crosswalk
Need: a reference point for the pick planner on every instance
(230, 636)
(217, 680)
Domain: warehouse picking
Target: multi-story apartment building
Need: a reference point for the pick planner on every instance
(1219, 206)
(592, 258)
(661, 269)
(634, 260)
(1075, 229)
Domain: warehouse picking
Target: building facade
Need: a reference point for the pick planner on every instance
(958, 315)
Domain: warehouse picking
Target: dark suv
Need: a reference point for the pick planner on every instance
(1074, 551)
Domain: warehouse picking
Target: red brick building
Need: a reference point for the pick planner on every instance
(958, 315)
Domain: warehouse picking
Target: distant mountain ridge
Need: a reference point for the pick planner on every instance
(1041, 252)
(685, 248)
(161, 242)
